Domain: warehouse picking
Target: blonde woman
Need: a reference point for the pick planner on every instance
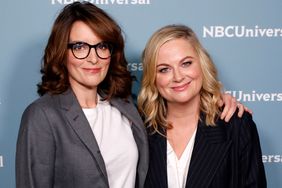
(189, 144)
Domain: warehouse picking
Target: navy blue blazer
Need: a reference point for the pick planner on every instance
(225, 156)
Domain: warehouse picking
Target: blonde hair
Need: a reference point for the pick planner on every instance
(151, 104)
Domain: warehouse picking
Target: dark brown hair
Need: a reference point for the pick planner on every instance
(118, 81)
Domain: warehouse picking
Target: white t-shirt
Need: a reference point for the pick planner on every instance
(177, 169)
(114, 135)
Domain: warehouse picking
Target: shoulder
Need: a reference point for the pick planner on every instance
(242, 129)
(245, 123)
(127, 107)
(42, 109)
(127, 100)
(46, 101)
(125, 104)
(36, 117)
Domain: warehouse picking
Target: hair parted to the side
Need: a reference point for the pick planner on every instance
(118, 81)
(151, 104)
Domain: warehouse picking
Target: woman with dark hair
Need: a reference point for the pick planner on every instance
(84, 131)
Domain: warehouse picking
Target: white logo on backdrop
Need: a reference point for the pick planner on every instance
(135, 66)
(105, 2)
(255, 96)
(235, 31)
(272, 158)
(1, 161)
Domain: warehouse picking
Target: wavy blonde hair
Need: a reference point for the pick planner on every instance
(151, 104)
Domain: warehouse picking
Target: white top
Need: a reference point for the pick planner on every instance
(177, 169)
(113, 133)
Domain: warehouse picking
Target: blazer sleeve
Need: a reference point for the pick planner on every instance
(253, 173)
(35, 153)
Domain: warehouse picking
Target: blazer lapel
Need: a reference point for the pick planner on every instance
(80, 125)
(128, 109)
(211, 146)
(158, 161)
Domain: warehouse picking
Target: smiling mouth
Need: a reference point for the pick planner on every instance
(181, 87)
(92, 70)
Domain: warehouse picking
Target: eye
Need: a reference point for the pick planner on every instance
(163, 70)
(79, 46)
(103, 46)
(186, 63)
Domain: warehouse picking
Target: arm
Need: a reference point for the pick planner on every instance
(230, 105)
(35, 150)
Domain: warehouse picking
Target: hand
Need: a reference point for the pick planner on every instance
(230, 106)
(242, 109)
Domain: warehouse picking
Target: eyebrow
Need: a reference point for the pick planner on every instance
(186, 57)
(84, 41)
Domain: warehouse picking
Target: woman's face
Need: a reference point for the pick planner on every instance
(85, 73)
(179, 75)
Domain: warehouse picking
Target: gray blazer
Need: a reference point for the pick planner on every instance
(57, 149)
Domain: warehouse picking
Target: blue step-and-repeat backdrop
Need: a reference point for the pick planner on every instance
(244, 39)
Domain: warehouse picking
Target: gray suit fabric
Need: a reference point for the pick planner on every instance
(57, 149)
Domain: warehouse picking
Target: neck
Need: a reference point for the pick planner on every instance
(184, 119)
(184, 114)
(87, 97)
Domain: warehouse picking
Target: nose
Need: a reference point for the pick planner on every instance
(178, 75)
(92, 57)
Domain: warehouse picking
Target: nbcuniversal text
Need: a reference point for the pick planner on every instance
(236, 31)
(105, 2)
(255, 96)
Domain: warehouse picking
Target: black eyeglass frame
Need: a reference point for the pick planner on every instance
(70, 46)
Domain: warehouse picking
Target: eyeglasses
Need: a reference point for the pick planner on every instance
(81, 50)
